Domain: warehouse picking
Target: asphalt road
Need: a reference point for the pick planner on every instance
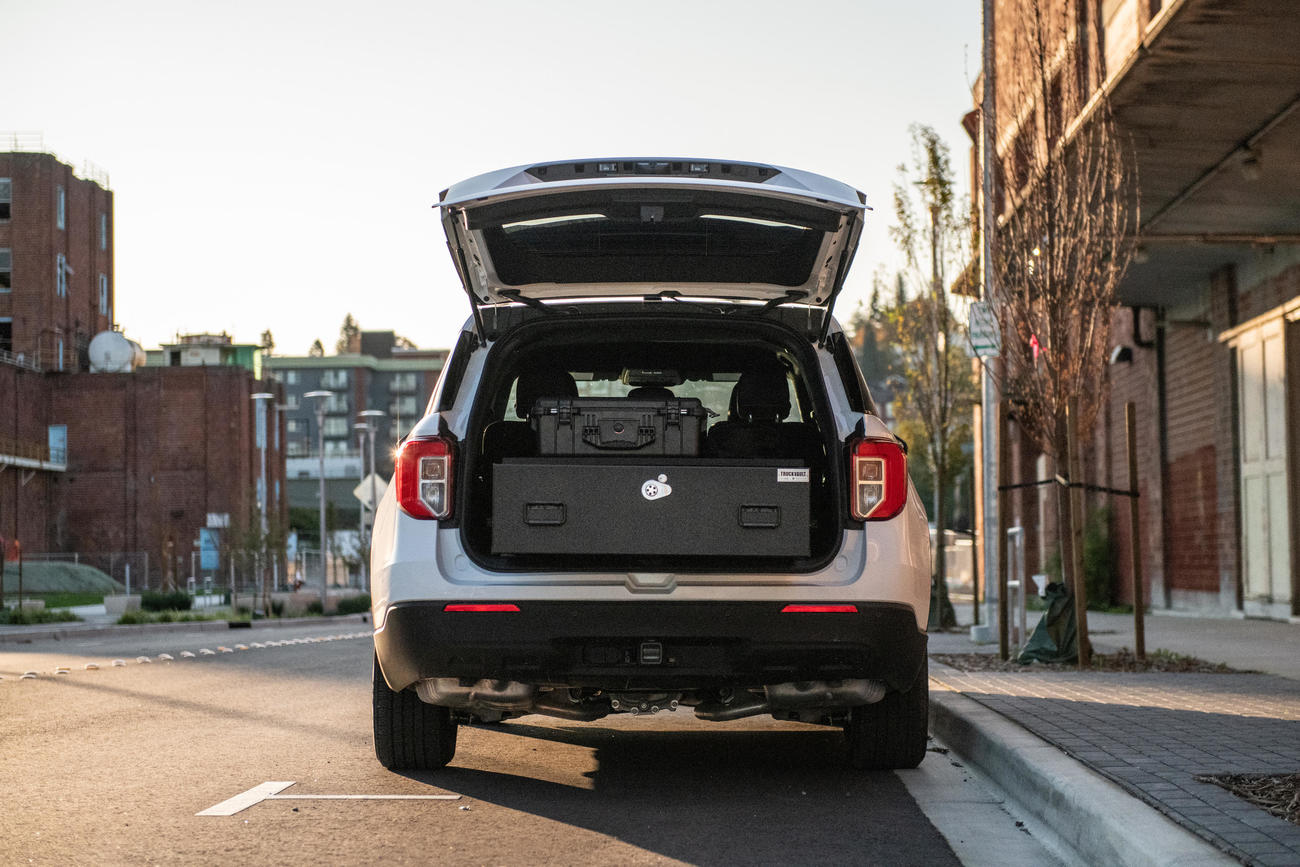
(110, 765)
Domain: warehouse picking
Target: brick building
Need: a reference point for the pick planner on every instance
(1207, 92)
(102, 464)
(56, 259)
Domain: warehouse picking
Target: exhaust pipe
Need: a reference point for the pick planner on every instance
(822, 693)
(738, 708)
(488, 694)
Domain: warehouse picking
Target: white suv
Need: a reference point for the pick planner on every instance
(651, 478)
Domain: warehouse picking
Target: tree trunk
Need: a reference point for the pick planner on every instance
(942, 614)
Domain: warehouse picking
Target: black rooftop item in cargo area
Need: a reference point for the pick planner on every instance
(605, 425)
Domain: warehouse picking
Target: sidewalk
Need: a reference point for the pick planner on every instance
(1150, 734)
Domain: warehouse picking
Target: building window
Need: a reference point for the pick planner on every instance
(61, 211)
(103, 294)
(336, 427)
(336, 403)
(337, 447)
(298, 449)
(6, 334)
(334, 379)
(6, 197)
(6, 271)
(403, 383)
(291, 377)
(402, 407)
(61, 270)
(103, 231)
(58, 348)
(296, 427)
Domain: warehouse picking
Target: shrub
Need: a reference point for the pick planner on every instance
(354, 604)
(277, 607)
(176, 600)
(169, 616)
(27, 616)
(315, 608)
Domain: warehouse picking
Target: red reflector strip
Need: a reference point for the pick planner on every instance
(820, 609)
(481, 607)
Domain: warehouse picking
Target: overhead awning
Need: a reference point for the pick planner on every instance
(1211, 98)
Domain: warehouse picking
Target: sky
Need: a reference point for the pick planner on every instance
(274, 164)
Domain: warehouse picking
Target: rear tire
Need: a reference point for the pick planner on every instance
(410, 735)
(891, 734)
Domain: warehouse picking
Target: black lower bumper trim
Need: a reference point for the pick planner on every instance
(604, 644)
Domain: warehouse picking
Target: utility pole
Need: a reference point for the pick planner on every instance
(319, 397)
(987, 500)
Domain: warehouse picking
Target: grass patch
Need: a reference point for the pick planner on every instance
(28, 616)
(69, 599)
(59, 577)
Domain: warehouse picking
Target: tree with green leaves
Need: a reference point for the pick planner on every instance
(932, 232)
(317, 349)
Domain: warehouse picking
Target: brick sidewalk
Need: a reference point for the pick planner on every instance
(1154, 733)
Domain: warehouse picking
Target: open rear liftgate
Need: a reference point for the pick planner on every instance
(618, 476)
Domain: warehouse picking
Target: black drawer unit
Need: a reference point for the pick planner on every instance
(616, 425)
(640, 507)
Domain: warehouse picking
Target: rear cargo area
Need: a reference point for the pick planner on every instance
(652, 445)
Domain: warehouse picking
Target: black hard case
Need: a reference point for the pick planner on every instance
(638, 507)
(617, 425)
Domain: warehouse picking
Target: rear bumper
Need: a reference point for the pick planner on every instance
(599, 644)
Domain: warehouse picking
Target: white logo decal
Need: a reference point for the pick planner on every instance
(656, 490)
(792, 475)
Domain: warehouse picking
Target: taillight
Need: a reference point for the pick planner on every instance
(424, 478)
(481, 608)
(833, 608)
(878, 481)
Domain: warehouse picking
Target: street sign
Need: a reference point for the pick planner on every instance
(985, 340)
(362, 491)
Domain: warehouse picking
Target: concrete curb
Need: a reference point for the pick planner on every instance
(1094, 819)
(65, 631)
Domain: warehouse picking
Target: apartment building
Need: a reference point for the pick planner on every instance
(378, 376)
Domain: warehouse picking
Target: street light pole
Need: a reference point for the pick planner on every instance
(372, 417)
(363, 430)
(320, 397)
(261, 398)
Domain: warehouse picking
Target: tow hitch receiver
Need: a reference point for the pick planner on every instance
(651, 653)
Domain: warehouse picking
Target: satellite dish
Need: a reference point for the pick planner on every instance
(112, 352)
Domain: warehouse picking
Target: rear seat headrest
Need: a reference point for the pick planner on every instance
(544, 382)
(651, 392)
(762, 395)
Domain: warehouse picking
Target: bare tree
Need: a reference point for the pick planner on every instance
(932, 231)
(1063, 239)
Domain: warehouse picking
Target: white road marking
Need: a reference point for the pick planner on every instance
(244, 800)
(270, 791)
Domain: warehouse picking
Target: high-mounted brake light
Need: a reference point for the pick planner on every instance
(424, 470)
(482, 607)
(878, 484)
(819, 609)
